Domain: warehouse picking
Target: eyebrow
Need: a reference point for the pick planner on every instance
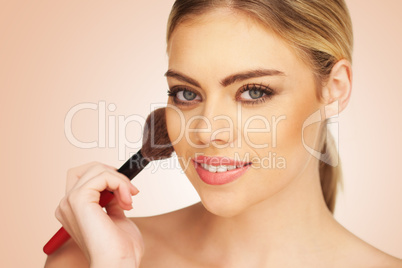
(230, 79)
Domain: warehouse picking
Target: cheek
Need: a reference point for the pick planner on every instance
(285, 157)
(261, 132)
(279, 139)
(293, 136)
(175, 125)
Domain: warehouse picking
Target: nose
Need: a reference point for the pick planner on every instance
(216, 125)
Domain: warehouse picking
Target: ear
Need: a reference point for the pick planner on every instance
(336, 93)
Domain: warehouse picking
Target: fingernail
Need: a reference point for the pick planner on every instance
(134, 190)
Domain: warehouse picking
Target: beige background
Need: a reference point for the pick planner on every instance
(57, 54)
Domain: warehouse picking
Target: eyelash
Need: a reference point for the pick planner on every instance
(268, 93)
(173, 93)
(259, 87)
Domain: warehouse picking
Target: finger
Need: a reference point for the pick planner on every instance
(111, 167)
(106, 180)
(114, 210)
(92, 172)
(76, 173)
(133, 190)
(123, 198)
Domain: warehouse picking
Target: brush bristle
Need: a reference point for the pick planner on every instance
(156, 144)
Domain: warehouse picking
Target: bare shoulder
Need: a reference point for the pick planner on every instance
(69, 255)
(373, 257)
(164, 237)
(359, 253)
(173, 221)
(378, 258)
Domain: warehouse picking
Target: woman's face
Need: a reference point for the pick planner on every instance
(239, 96)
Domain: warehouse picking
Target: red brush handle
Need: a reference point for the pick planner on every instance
(62, 236)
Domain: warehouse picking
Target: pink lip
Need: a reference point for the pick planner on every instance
(219, 178)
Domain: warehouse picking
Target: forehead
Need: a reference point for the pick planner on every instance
(227, 41)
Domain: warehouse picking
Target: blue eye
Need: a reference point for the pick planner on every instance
(186, 95)
(247, 94)
(254, 93)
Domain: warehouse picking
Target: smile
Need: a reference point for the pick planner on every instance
(219, 170)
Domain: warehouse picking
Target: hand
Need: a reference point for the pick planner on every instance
(107, 240)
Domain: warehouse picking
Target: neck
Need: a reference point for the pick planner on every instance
(295, 216)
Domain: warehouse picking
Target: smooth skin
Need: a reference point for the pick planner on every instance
(269, 217)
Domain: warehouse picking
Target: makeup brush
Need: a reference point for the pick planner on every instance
(155, 146)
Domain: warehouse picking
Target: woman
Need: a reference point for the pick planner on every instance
(255, 82)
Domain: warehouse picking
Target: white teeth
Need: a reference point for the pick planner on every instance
(220, 168)
(212, 169)
(231, 167)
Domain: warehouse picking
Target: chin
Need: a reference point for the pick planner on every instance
(223, 206)
(239, 196)
(221, 210)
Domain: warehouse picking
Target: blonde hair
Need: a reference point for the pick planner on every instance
(319, 30)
